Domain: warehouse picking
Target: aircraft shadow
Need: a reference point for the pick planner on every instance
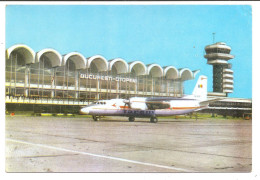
(148, 121)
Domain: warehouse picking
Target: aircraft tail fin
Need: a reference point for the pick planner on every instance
(200, 90)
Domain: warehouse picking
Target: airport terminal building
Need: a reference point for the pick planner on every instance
(47, 81)
(47, 77)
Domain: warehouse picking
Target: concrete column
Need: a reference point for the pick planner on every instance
(97, 87)
(76, 84)
(167, 89)
(161, 85)
(136, 85)
(182, 89)
(26, 80)
(117, 89)
(53, 78)
(152, 86)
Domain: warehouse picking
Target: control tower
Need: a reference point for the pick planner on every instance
(218, 55)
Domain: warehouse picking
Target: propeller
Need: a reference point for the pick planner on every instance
(127, 101)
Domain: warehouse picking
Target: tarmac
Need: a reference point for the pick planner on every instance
(76, 144)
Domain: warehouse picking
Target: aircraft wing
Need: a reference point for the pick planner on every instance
(205, 103)
(154, 99)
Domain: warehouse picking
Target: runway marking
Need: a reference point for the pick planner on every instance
(100, 156)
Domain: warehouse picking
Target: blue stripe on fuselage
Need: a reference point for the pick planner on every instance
(138, 113)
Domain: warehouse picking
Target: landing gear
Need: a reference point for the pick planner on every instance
(153, 120)
(131, 119)
(96, 118)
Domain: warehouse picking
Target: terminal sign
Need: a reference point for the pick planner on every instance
(107, 78)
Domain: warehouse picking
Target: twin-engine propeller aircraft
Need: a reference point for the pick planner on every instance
(151, 107)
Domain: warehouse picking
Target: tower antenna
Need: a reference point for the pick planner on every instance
(213, 37)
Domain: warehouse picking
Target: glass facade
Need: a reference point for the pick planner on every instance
(49, 78)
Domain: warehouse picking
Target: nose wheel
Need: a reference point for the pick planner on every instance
(96, 118)
(153, 120)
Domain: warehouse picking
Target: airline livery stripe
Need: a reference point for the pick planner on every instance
(184, 107)
(100, 156)
(173, 108)
(124, 107)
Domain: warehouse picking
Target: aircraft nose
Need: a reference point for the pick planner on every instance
(84, 111)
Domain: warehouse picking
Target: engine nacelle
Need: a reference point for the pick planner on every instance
(137, 103)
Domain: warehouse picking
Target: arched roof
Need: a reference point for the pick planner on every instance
(139, 68)
(53, 55)
(185, 74)
(29, 56)
(120, 65)
(25, 51)
(195, 72)
(78, 59)
(170, 72)
(155, 70)
(99, 61)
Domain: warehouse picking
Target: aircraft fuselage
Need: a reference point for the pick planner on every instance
(151, 106)
(117, 108)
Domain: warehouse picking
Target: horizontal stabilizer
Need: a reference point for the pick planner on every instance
(206, 103)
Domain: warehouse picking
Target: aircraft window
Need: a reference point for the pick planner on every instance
(153, 106)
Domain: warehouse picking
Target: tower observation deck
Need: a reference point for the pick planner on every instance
(218, 55)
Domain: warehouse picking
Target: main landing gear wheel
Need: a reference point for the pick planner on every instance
(131, 119)
(96, 118)
(153, 120)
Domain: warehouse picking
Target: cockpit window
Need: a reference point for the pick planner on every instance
(102, 102)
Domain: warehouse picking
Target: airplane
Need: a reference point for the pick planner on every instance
(152, 107)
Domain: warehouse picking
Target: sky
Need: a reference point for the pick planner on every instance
(163, 34)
